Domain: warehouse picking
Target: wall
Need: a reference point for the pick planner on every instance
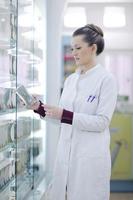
(54, 24)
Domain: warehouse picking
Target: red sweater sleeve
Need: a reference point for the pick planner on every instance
(67, 117)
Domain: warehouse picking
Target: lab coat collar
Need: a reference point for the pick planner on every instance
(93, 69)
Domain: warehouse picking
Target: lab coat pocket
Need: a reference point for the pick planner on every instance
(90, 103)
(89, 145)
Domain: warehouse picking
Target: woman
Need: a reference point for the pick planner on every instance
(83, 164)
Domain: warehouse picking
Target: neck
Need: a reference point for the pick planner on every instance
(86, 67)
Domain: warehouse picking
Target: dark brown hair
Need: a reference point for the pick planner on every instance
(92, 35)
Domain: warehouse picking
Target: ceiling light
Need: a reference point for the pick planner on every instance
(75, 17)
(114, 17)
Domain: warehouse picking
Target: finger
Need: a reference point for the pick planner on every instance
(47, 106)
(49, 113)
(48, 109)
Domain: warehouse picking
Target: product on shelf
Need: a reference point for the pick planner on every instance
(4, 132)
(25, 96)
(6, 171)
(9, 98)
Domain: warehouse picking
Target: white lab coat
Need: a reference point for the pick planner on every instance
(83, 163)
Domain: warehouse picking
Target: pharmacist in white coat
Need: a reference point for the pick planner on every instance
(83, 163)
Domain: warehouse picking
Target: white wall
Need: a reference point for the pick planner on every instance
(54, 28)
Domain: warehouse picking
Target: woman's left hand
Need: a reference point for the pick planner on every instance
(53, 112)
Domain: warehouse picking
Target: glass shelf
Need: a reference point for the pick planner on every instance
(7, 44)
(7, 9)
(7, 80)
(11, 111)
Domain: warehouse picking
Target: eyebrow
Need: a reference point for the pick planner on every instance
(76, 45)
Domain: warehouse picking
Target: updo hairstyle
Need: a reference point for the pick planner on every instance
(92, 35)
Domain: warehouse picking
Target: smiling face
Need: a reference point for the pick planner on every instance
(84, 54)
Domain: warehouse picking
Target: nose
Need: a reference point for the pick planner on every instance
(74, 52)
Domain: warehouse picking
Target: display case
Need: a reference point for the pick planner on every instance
(22, 132)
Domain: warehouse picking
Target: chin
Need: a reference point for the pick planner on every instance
(78, 63)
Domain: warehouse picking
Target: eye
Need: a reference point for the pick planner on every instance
(78, 48)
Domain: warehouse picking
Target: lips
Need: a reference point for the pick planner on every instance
(77, 59)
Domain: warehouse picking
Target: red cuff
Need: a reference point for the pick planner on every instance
(67, 117)
(40, 110)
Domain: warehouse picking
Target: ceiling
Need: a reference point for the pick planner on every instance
(100, 1)
(95, 13)
(116, 38)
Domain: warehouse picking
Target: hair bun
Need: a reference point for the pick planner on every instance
(95, 28)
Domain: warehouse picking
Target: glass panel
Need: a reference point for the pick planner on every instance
(8, 35)
(31, 136)
(22, 132)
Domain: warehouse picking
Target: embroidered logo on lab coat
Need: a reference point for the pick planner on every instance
(91, 98)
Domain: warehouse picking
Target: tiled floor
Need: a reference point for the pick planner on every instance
(121, 196)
